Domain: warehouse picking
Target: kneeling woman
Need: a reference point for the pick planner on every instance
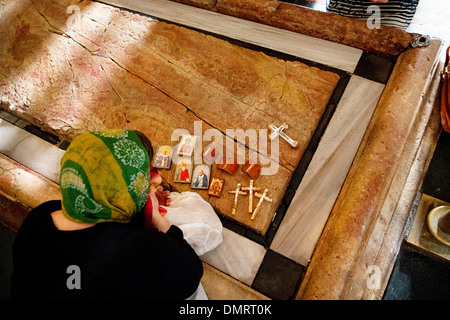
(95, 243)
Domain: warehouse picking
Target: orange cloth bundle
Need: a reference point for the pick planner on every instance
(445, 94)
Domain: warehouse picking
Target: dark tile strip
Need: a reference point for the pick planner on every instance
(278, 277)
(374, 68)
(437, 178)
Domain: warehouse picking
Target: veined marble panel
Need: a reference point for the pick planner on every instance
(309, 210)
(309, 48)
(236, 256)
(30, 151)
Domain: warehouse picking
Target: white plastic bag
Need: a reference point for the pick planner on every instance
(197, 219)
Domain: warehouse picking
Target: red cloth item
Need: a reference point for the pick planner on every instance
(148, 212)
(445, 94)
(148, 208)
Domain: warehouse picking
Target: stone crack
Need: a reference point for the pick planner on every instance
(102, 53)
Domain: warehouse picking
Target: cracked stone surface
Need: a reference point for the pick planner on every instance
(100, 67)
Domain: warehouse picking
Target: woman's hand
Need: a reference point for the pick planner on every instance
(154, 213)
(156, 182)
(157, 220)
(163, 196)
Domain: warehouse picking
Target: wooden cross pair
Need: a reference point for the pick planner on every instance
(263, 197)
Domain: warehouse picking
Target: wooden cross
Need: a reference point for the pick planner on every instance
(250, 189)
(265, 198)
(278, 131)
(236, 192)
(261, 200)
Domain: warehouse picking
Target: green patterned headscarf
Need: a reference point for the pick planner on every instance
(105, 176)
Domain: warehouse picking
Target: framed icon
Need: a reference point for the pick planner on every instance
(187, 145)
(200, 176)
(210, 154)
(216, 187)
(183, 171)
(163, 157)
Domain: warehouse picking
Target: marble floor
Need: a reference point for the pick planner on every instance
(271, 265)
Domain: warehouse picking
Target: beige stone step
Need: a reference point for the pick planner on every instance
(220, 286)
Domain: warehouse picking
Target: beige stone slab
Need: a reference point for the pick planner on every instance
(251, 88)
(308, 212)
(392, 224)
(219, 286)
(115, 69)
(21, 184)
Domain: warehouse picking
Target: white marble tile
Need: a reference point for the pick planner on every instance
(308, 212)
(30, 151)
(236, 256)
(326, 52)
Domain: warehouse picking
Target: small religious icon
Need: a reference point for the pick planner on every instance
(187, 145)
(228, 166)
(252, 169)
(210, 154)
(216, 187)
(200, 177)
(163, 157)
(183, 171)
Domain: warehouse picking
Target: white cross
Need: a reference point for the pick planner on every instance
(278, 131)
